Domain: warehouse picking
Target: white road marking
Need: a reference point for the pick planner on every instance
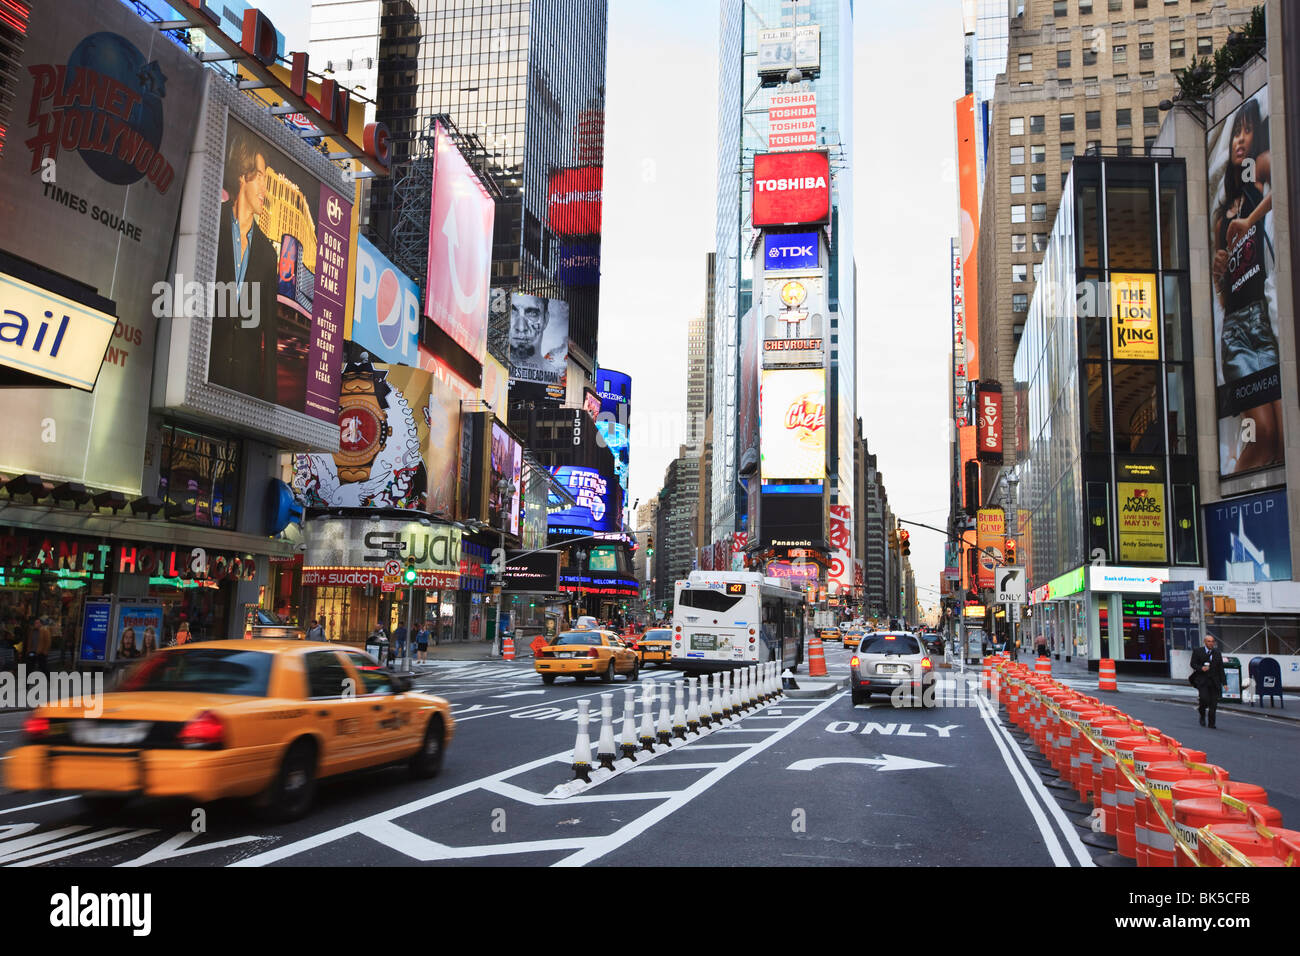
(674, 766)
(518, 693)
(883, 762)
(171, 848)
(33, 806)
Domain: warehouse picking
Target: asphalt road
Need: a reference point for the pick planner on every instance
(802, 782)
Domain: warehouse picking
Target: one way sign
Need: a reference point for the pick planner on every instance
(1011, 586)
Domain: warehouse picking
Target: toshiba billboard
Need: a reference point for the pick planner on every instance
(792, 189)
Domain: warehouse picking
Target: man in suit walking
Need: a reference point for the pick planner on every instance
(1208, 678)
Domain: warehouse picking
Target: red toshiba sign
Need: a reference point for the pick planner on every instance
(792, 189)
(989, 409)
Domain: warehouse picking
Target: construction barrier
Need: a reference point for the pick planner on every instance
(1106, 675)
(509, 649)
(816, 658)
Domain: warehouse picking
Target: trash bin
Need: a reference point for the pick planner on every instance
(376, 647)
(1232, 684)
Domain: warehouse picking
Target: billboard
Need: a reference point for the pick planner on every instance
(1248, 538)
(793, 425)
(747, 449)
(1135, 332)
(535, 573)
(988, 405)
(790, 252)
(385, 308)
(283, 240)
(91, 178)
(1247, 363)
(495, 390)
(792, 189)
(792, 121)
(383, 423)
(794, 310)
(573, 201)
(505, 491)
(792, 521)
(990, 533)
(443, 449)
(839, 535)
(968, 227)
(353, 551)
(615, 391)
(461, 217)
(1142, 521)
(593, 496)
(579, 264)
(539, 343)
(783, 49)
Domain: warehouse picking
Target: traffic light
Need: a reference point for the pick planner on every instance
(649, 544)
(905, 538)
(972, 487)
(409, 576)
(893, 541)
(1009, 550)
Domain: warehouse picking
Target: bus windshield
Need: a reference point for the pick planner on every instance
(707, 600)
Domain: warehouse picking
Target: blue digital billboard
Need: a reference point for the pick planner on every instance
(593, 494)
(1248, 538)
(786, 251)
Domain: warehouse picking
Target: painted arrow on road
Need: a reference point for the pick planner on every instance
(883, 762)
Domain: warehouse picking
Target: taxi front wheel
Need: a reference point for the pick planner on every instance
(294, 787)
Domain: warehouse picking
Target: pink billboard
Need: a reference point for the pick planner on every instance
(460, 249)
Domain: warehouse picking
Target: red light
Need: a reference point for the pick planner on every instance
(592, 652)
(205, 730)
(751, 640)
(926, 663)
(854, 661)
(36, 728)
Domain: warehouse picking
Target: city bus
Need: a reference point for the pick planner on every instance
(723, 619)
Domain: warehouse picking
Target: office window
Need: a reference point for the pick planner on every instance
(1038, 272)
(1204, 46)
(1060, 8)
(1025, 62)
(1125, 147)
(1089, 56)
(1124, 117)
(1139, 4)
(1020, 302)
(1067, 122)
(1016, 126)
(1038, 153)
(1038, 183)
(1017, 213)
(1017, 184)
(1040, 212)
(1150, 116)
(1062, 59)
(1020, 273)
(1067, 152)
(1146, 51)
(1177, 49)
(1018, 243)
(1093, 119)
(1037, 124)
(1085, 7)
(1017, 155)
(1120, 53)
(1040, 242)
(1094, 147)
(1115, 5)
(1147, 143)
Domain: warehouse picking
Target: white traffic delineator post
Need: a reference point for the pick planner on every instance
(693, 714)
(647, 716)
(582, 747)
(715, 698)
(605, 752)
(742, 690)
(765, 693)
(664, 729)
(627, 739)
(727, 709)
(679, 709)
(706, 702)
(787, 681)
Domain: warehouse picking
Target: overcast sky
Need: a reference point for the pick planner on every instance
(660, 146)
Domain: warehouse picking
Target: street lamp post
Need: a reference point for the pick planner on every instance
(1010, 486)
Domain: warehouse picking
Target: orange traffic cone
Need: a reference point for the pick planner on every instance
(816, 658)
(1106, 675)
(509, 652)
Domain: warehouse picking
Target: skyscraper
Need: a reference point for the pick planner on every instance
(743, 131)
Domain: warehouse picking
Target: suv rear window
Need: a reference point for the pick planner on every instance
(207, 670)
(890, 644)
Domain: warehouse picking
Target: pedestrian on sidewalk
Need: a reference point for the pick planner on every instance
(1208, 678)
(422, 641)
(317, 630)
(1040, 645)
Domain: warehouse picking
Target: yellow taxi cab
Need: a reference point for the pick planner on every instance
(584, 653)
(853, 637)
(656, 645)
(830, 634)
(260, 718)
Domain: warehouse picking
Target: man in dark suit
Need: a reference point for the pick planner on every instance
(1208, 678)
(244, 350)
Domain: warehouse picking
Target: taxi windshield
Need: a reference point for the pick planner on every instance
(205, 670)
(592, 638)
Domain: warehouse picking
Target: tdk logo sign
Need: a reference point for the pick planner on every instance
(790, 250)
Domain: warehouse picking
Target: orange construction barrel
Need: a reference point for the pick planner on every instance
(1191, 815)
(1106, 675)
(1043, 666)
(816, 658)
(1161, 778)
(1126, 796)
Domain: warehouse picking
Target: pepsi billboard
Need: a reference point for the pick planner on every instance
(790, 252)
(386, 309)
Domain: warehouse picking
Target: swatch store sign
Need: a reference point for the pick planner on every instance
(353, 551)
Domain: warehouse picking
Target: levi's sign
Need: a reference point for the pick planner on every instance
(47, 335)
(792, 189)
(790, 250)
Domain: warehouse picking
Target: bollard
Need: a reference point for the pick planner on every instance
(706, 703)
(742, 691)
(582, 748)
(605, 751)
(751, 699)
(679, 709)
(693, 713)
(725, 703)
(647, 716)
(627, 740)
(665, 727)
(715, 698)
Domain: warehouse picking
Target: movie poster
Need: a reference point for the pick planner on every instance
(539, 346)
(1247, 361)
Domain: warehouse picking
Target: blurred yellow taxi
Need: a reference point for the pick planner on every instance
(853, 637)
(829, 634)
(587, 653)
(655, 645)
(254, 718)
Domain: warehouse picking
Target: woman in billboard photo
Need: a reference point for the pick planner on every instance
(1241, 249)
(243, 354)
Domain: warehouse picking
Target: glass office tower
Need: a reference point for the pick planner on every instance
(1103, 377)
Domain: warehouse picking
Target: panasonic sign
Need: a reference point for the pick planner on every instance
(790, 251)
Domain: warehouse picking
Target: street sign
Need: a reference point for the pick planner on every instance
(388, 587)
(392, 568)
(1010, 585)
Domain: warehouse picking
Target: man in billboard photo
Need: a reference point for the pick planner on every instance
(1247, 342)
(529, 317)
(243, 355)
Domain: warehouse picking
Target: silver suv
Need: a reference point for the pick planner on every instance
(887, 661)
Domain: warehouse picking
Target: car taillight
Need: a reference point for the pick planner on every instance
(36, 728)
(679, 628)
(751, 630)
(926, 663)
(854, 661)
(205, 730)
(751, 640)
(592, 652)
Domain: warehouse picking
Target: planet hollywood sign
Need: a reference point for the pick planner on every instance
(88, 555)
